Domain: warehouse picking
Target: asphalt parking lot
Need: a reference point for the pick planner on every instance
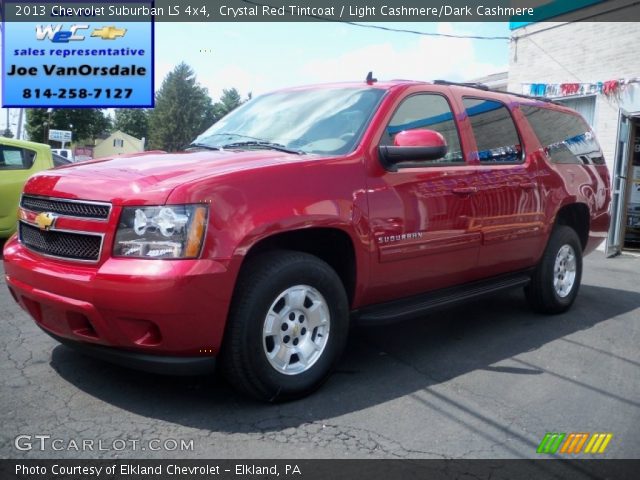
(483, 380)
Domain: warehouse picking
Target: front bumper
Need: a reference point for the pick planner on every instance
(154, 307)
(160, 364)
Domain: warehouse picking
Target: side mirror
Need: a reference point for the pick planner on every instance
(413, 146)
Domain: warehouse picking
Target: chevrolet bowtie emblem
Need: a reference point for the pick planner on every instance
(109, 33)
(45, 220)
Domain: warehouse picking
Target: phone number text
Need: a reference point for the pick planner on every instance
(80, 93)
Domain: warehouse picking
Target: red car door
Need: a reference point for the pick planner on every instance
(507, 208)
(421, 214)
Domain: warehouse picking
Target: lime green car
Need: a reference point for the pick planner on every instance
(19, 160)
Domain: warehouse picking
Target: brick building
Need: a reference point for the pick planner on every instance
(593, 67)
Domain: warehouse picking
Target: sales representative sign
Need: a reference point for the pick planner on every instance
(75, 62)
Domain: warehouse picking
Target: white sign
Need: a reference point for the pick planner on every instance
(60, 135)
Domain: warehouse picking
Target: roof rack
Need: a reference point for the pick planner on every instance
(479, 86)
(483, 87)
(532, 97)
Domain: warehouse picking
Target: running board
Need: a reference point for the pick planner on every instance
(410, 307)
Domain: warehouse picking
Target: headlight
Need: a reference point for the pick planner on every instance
(171, 231)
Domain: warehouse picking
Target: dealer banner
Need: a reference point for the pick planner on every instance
(77, 63)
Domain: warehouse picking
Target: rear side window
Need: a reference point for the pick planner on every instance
(59, 160)
(427, 111)
(565, 137)
(16, 158)
(496, 134)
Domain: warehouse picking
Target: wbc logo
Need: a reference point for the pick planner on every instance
(56, 34)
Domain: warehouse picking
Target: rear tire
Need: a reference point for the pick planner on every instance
(287, 326)
(556, 280)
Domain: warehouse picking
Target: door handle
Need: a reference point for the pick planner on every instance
(528, 185)
(464, 190)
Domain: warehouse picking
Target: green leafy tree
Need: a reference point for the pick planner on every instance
(183, 109)
(229, 101)
(85, 123)
(36, 124)
(133, 121)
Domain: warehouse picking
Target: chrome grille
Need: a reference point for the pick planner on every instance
(73, 246)
(70, 208)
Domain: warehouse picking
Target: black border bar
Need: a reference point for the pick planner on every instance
(123, 469)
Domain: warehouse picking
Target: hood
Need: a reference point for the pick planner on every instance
(149, 178)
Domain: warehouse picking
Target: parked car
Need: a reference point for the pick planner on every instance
(19, 160)
(301, 212)
(66, 153)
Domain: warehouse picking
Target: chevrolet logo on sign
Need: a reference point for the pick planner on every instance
(45, 220)
(109, 33)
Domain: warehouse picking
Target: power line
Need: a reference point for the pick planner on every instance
(388, 29)
(427, 34)
(556, 61)
(562, 66)
(581, 19)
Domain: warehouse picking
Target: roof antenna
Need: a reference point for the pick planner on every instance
(370, 80)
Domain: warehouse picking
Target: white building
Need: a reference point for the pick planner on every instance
(593, 67)
(118, 143)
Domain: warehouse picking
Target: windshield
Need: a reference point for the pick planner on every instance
(324, 121)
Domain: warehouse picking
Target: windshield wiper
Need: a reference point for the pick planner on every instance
(261, 144)
(202, 145)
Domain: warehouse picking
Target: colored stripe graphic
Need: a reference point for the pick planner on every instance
(574, 442)
(550, 443)
(598, 443)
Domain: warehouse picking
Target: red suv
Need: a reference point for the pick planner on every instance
(303, 211)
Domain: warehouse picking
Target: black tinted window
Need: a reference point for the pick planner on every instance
(427, 111)
(15, 158)
(59, 160)
(565, 137)
(496, 135)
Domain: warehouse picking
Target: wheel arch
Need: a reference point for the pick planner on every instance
(575, 215)
(331, 244)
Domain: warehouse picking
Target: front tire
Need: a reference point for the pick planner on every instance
(556, 280)
(287, 326)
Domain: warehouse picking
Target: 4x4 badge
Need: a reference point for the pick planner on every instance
(45, 220)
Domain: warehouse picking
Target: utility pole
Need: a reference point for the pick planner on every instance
(19, 127)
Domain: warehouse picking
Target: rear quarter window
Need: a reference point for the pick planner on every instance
(565, 137)
(59, 161)
(16, 158)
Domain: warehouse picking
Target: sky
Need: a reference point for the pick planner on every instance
(259, 57)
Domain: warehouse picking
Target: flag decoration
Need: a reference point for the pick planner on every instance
(610, 88)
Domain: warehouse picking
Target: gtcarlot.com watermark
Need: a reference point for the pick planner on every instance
(43, 443)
